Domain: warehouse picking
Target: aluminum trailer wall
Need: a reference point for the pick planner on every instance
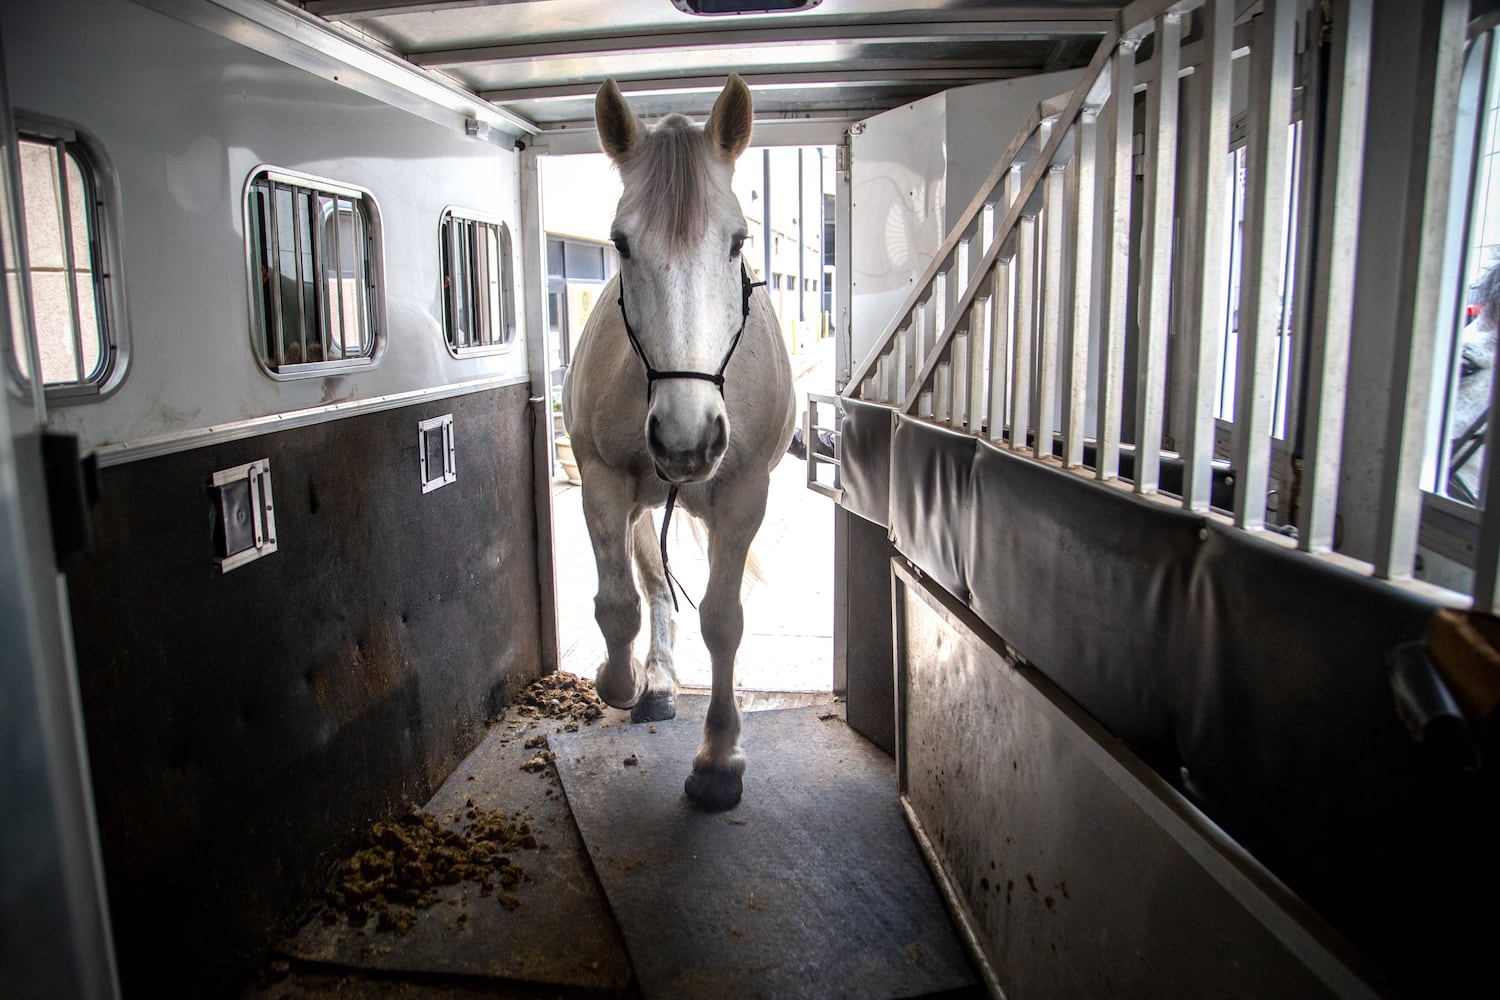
(243, 728)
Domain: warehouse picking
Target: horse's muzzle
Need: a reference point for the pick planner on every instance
(696, 461)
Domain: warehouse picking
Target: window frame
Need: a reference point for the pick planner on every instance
(102, 199)
(374, 280)
(506, 278)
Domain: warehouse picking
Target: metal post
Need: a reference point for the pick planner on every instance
(1261, 277)
(1087, 296)
(1025, 331)
(1330, 325)
(1156, 252)
(1050, 327)
(1208, 226)
(1116, 258)
(1439, 66)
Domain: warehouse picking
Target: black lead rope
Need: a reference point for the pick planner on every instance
(653, 376)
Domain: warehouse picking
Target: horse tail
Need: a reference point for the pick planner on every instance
(753, 568)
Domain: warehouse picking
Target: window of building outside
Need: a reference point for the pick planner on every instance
(576, 273)
(72, 276)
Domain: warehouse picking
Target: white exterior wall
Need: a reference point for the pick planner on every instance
(185, 116)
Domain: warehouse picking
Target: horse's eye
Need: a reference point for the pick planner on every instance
(735, 242)
(622, 245)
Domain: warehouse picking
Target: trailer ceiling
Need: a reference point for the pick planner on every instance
(541, 61)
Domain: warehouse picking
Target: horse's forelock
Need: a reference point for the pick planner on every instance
(667, 182)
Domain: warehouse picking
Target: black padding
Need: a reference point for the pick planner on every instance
(1248, 674)
(245, 727)
(865, 459)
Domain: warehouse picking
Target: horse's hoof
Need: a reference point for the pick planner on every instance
(715, 790)
(655, 706)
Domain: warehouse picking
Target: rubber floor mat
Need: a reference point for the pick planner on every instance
(811, 887)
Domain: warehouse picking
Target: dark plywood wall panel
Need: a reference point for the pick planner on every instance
(244, 728)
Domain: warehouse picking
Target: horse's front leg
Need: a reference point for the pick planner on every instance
(607, 503)
(659, 699)
(719, 766)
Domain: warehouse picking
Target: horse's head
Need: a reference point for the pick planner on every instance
(679, 229)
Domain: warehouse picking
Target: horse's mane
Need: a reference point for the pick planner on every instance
(667, 181)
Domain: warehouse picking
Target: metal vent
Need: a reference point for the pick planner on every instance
(435, 445)
(244, 514)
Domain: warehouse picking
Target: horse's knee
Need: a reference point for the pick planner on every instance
(619, 618)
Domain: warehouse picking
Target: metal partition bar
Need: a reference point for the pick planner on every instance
(1023, 332)
(811, 425)
(958, 370)
(1049, 325)
(1047, 143)
(1159, 207)
(1082, 180)
(980, 334)
(1207, 224)
(1331, 317)
(1000, 316)
(1440, 64)
(1264, 231)
(1116, 258)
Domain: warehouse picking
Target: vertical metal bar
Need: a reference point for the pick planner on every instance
(299, 196)
(338, 273)
(979, 351)
(1025, 331)
(986, 227)
(1208, 224)
(1264, 230)
(1050, 327)
(956, 288)
(1159, 212)
(276, 276)
(1332, 311)
(1439, 67)
(938, 314)
(1116, 258)
(959, 365)
(999, 348)
(903, 363)
(942, 392)
(70, 262)
(320, 294)
(1082, 178)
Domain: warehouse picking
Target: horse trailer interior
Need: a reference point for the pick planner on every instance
(1165, 578)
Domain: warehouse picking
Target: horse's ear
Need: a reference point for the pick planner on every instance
(733, 115)
(618, 129)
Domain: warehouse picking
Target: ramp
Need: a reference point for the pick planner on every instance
(811, 887)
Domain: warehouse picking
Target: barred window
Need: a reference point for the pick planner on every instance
(315, 288)
(69, 273)
(478, 292)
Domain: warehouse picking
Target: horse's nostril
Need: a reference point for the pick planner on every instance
(653, 434)
(720, 440)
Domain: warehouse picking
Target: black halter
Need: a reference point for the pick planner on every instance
(653, 375)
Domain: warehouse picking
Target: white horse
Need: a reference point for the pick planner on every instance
(681, 385)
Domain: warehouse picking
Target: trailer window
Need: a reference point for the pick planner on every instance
(314, 251)
(69, 273)
(478, 297)
(1456, 453)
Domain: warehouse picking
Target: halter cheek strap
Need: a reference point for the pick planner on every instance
(653, 375)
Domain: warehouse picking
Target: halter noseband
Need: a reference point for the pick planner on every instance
(717, 378)
(653, 375)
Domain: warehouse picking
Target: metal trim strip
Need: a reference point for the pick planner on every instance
(168, 444)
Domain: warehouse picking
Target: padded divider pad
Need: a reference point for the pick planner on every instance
(865, 459)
